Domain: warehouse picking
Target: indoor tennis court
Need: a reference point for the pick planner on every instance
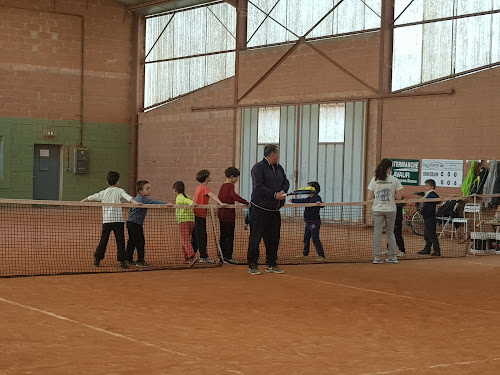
(427, 317)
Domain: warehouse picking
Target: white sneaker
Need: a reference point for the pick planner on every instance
(384, 252)
(401, 254)
(206, 260)
(393, 260)
(377, 260)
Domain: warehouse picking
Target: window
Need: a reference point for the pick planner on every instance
(300, 15)
(269, 125)
(187, 50)
(331, 123)
(425, 52)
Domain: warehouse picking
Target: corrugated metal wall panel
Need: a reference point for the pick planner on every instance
(288, 142)
(249, 150)
(338, 167)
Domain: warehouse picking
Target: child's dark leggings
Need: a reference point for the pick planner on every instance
(199, 236)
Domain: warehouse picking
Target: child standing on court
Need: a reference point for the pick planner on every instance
(313, 222)
(185, 218)
(202, 194)
(227, 216)
(112, 218)
(428, 212)
(135, 223)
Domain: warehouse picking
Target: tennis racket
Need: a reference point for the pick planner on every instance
(304, 191)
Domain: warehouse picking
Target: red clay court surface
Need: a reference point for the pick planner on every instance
(434, 316)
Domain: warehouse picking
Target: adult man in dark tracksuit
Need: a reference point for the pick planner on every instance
(269, 187)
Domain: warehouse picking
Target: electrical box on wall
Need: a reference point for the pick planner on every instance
(81, 158)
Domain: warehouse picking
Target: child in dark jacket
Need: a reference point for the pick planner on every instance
(313, 222)
(428, 212)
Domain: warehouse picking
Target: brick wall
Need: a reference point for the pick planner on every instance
(41, 53)
(175, 143)
(40, 89)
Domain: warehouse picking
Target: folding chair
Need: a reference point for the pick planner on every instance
(472, 208)
(447, 221)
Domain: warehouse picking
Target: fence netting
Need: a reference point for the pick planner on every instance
(48, 238)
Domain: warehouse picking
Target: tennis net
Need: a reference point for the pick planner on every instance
(48, 238)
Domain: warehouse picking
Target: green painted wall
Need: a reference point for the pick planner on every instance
(108, 145)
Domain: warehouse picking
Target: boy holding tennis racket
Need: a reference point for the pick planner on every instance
(313, 221)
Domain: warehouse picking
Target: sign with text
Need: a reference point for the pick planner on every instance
(446, 173)
(405, 171)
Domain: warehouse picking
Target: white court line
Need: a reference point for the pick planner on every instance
(395, 295)
(431, 367)
(145, 343)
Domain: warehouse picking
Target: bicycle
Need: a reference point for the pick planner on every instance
(413, 218)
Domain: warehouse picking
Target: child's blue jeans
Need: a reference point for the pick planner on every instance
(312, 231)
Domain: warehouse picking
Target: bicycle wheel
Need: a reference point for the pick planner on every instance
(417, 223)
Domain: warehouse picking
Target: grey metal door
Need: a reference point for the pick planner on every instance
(46, 172)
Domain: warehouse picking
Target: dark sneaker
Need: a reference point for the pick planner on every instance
(123, 265)
(142, 264)
(274, 269)
(254, 271)
(231, 261)
(96, 263)
(436, 254)
(130, 262)
(424, 252)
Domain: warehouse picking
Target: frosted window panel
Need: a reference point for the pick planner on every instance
(438, 9)
(197, 72)
(255, 17)
(154, 27)
(275, 33)
(473, 42)
(495, 36)
(437, 42)
(326, 26)
(351, 16)
(473, 6)
(407, 57)
(331, 123)
(414, 13)
(299, 15)
(372, 16)
(198, 34)
(270, 31)
(269, 125)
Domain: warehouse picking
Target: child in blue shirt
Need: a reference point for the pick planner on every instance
(313, 222)
(135, 221)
